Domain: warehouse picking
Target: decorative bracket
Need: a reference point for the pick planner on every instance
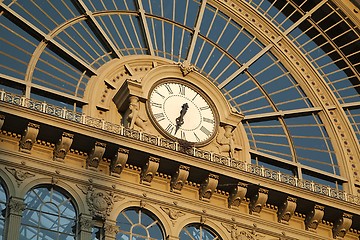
(94, 158)
(119, 161)
(186, 67)
(29, 137)
(237, 195)
(149, 170)
(258, 201)
(342, 225)
(208, 187)
(314, 218)
(179, 179)
(286, 210)
(63, 146)
(2, 120)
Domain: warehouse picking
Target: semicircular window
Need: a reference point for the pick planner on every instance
(50, 214)
(136, 223)
(198, 232)
(2, 208)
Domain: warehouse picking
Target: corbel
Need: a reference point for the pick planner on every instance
(118, 163)
(313, 219)
(62, 147)
(2, 120)
(149, 170)
(208, 187)
(179, 179)
(342, 225)
(237, 195)
(29, 137)
(286, 210)
(94, 158)
(258, 201)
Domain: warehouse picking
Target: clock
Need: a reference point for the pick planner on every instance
(182, 111)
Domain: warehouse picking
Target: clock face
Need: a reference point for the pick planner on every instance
(182, 111)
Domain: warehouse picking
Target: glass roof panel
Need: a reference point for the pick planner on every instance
(82, 41)
(45, 15)
(354, 118)
(56, 73)
(184, 12)
(312, 143)
(16, 48)
(95, 6)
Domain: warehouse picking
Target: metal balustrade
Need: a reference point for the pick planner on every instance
(260, 171)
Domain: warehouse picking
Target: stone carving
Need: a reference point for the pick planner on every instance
(237, 195)
(226, 141)
(135, 118)
(314, 217)
(186, 67)
(19, 175)
(237, 233)
(149, 170)
(287, 209)
(179, 179)
(208, 187)
(118, 163)
(16, 206)
(100, 202)
(342, 225)
(110, 229)
(86, 223)
(94, 158)
(29, 137)
(2, 120)
(173, 214)
(63, 146)
(258, 201)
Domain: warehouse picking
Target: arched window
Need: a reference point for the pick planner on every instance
(197, 232)
(136, 223)
(49, 214)
(2, 209)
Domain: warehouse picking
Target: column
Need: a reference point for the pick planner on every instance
(13, 216)
(86, 224)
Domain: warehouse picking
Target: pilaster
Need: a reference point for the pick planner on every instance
(14, 212)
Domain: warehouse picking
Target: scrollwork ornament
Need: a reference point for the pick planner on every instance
(173, 214)
(86, 223)
(186, 67)
(19, 175)
(110, 229)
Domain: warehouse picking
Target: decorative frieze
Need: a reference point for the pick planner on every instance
(342, 225)
(258, 201)
(149, 170)
(19, 175)
(94, 158)
(286, 210)
(313, 219)
(208, 187)
(63, 146)
(179, 179)
(29, 137)
(237, 195)
(118, 163)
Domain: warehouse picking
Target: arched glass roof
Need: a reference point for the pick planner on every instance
(288, 66)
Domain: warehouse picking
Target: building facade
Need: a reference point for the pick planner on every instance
(180, 119)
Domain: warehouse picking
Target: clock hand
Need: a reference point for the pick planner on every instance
(180, 120)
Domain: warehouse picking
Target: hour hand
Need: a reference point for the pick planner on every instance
(180, 120)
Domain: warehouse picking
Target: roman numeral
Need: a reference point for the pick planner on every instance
(194, 97)
(154, 104)
(183, 135)
(208, 120)
(204, 130)
(204, 108)
(159, 116)
(159, 94)
(197, 138)
(168, 88)
(182, 89)
(169, 128)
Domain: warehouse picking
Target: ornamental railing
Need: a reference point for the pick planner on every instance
(254, 169)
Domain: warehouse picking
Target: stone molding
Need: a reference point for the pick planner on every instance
(29, 137)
